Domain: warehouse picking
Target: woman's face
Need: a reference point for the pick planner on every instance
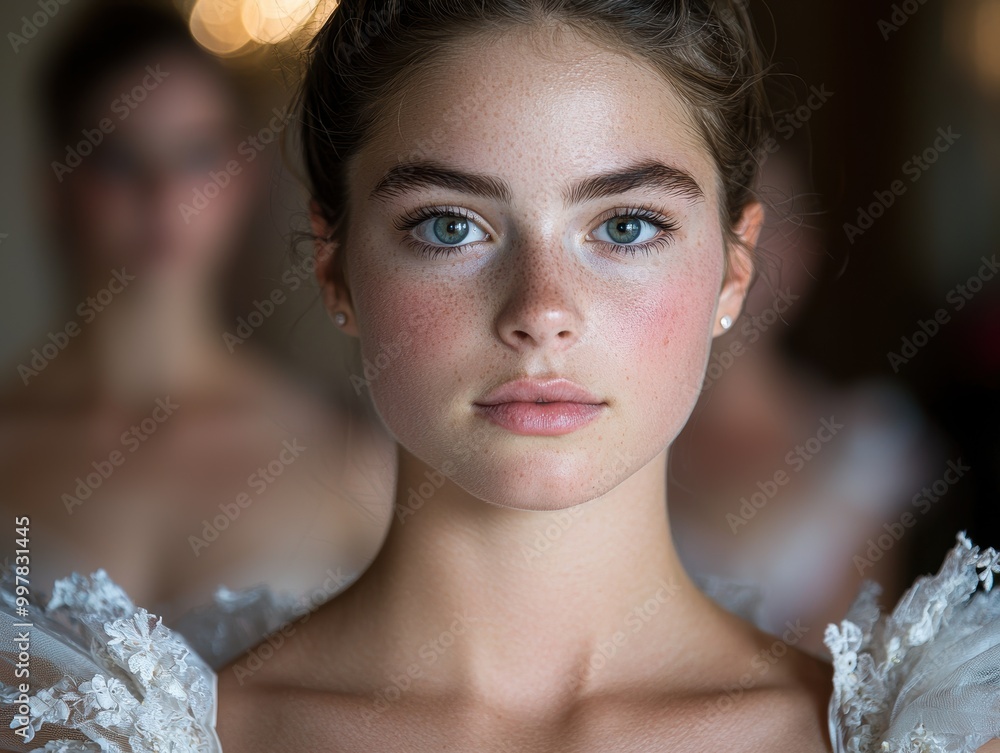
(133, 200)
(543, 273)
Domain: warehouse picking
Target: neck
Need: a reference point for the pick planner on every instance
(522, 606)
(154, 337)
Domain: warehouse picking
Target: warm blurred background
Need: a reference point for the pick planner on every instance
(878, 302)
(894, 327)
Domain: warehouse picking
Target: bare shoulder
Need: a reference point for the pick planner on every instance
(763, 693)
(780, 720)
(993, 746)
(774, 717)
(797, 702)
(291, 677)
(259, 679)
(289, 703)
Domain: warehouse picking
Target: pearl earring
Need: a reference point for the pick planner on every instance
(726, 321)
(340, 318)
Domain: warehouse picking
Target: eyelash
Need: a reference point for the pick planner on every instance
(654, 218)
(417, 216)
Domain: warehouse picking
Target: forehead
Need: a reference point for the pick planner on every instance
(184, 98)
(536, 109)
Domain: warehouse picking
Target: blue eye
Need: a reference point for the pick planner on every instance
(626, 229)
(450, 230)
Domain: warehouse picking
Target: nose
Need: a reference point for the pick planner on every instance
(543, 308)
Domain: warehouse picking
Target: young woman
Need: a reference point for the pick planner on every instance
(551, 203)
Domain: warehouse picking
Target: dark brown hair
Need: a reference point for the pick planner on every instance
(366, 51)
(110, 36)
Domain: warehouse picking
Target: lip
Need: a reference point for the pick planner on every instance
(565, 406)
(546, 390)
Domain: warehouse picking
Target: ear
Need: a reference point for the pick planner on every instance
(332, 284)
(739, 269)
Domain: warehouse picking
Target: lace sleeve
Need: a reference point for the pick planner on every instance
(88, 671)
(926, 677)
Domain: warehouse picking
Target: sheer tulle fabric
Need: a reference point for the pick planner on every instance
(925, 677)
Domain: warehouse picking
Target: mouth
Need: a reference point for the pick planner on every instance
(534, 407)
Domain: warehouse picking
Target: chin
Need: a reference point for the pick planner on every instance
(538, 480)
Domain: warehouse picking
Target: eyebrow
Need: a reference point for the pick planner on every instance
(408, 176)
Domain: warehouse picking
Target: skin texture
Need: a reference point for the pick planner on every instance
(533, 600)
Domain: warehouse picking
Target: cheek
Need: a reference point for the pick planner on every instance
(414, 336)
(674, 342)
(661, 342)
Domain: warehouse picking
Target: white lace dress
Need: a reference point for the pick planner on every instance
(104, 675)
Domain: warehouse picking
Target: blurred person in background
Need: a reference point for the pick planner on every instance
(138, 437)
(764, 494)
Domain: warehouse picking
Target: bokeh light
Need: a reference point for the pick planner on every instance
(236, 27)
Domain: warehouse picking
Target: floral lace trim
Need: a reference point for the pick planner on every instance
(942, 639)
(154, 689)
